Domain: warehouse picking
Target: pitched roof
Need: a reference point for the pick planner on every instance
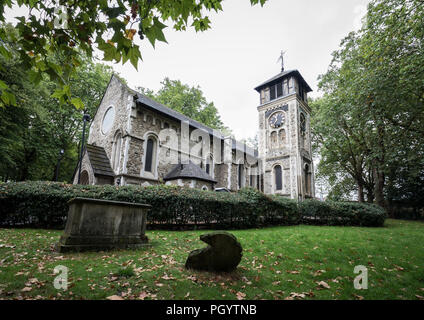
(188, 171)
(281, 75)
(99, 161)
(157, 107)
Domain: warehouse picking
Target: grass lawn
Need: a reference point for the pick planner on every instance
(299, 262)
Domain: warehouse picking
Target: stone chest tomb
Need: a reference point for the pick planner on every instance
(100, 225)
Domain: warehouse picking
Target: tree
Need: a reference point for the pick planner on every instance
(189, 101)
(372, 109)
(34, 131)
(339, 138)
(89, 84)
(73, 28)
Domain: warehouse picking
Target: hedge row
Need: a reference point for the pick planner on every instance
(44, 204)
(341, 213)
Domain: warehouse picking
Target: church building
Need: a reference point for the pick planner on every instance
(134, 140)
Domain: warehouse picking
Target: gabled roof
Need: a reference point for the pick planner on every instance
(99, 161)
(188, 171)
(157, 107)
(282, 75)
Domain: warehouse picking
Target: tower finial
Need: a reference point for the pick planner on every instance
(282, 60)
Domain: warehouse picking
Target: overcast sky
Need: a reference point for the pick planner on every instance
(241, 50)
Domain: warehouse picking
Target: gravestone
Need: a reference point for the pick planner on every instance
(102, 224)
(223, 253)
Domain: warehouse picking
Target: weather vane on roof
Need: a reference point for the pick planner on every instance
(282, 60)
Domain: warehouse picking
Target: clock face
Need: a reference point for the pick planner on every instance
(277, 120)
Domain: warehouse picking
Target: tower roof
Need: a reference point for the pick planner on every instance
(282, 75)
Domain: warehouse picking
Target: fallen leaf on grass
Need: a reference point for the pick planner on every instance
(293, 272)
(324, 284)
(114, 297)
(166, 277)
(310, 294)
(294, 295)
(318, 272)
(143, 295)
(26, 289)
(419, 297)
(240, 295)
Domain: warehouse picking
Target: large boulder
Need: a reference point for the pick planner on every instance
(223, 253)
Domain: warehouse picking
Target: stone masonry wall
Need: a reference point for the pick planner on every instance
(136, 124)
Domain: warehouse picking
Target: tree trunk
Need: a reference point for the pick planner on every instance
(361, 197)
(370, 196)
(379, 187)
(370, 192)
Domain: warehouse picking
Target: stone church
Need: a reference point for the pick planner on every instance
(134, 140)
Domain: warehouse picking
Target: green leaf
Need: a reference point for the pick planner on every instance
(3, 85)
(8, 98)
(134, 55)
(5, 53)
(114, 12)
(155, 32)
(35, 76)
(77, 102)
(110, 51)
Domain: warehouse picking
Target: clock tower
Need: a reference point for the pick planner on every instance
(285, 136)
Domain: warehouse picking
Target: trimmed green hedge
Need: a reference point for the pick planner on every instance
(341, 213)
(44, 204)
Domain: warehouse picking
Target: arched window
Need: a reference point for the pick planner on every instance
(150, 157)
(278, 174)
(307, 181)
(253, 179)
(302, 124)
(85, 179)
(241, 179)
(274, 140)
(282, 137)
(116, 151)
(210, 167)
(108, 119)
